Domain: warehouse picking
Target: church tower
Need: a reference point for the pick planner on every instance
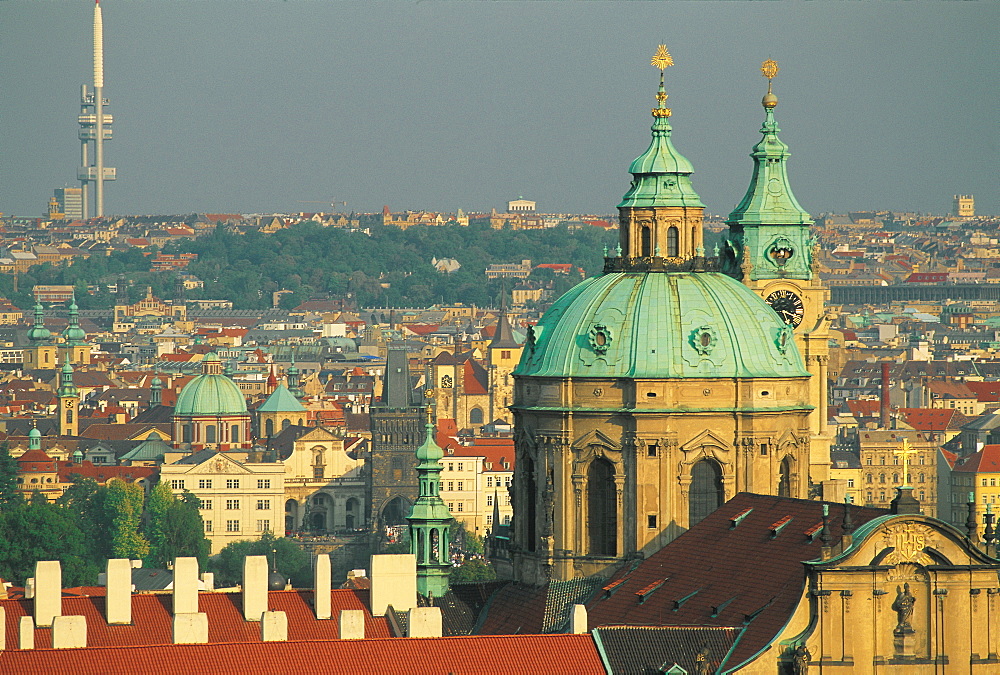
(430, 521)
(649, 395)
(69, 402)
(771, 250)
(74, 344)
(41, 353)
(504, 352)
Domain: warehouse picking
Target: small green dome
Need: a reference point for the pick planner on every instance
(661, 175)
(661, 325)
(38, 332)
(429, 451)
(211, 393)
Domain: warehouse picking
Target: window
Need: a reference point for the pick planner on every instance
(176, 485)
(263, 504)
(233, 483)
(208, 525)
(869, 461)
(651, 521)
(673, 245)
(210, 433)
(459, 486)
(451, 486)
(921, 478)
(868, 478)
(489, 500)
(993, 482)
(850, 482)
(460, 505)
(489, 520)
(504, 353)
(263, 525)
(451, 467)
(881, 478)
(460, 466)
(451, 506)
(707, 492)
(205, 504)
(763, 449)
(984, 482)
(489, 481)
(205, 484)
(263, 483)
(232, 526)
(232, 504)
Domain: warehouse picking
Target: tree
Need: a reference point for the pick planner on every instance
(292, 562)
(37, 530)
(8, 478)
(472, 571)
(85, 501)
(124, 506)
(174, 528)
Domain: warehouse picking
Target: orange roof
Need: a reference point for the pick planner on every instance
(933, 419)
(864, 408)
(986, 460)
(469, 655)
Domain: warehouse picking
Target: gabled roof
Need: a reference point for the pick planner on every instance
(647, 649)
(281, 400)
(986, 460)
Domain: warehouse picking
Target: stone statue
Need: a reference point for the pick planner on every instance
(800, 660)
(703, 661)
(903, 606)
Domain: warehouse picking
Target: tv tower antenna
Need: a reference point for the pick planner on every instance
(95, 127)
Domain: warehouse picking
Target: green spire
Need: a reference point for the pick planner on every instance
(769, 229)
(66, 386)
(74, 335)
(662, 176)
(34, 439)
(430, 521)
(38, 332)
(292, 376)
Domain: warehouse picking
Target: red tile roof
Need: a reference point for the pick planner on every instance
(468, 655)
(933, 419)
(719, 575)
(986, 460)
(864, 408)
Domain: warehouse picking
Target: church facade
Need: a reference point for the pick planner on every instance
(648, 396)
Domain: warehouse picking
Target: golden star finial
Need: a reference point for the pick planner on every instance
(662, 58)
(769, 68)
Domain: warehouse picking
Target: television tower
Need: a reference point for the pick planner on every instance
(95, 126)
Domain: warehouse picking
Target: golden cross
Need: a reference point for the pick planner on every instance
(905, 452)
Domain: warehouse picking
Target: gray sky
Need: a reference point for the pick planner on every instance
(259, 106)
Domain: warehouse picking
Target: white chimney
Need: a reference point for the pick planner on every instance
(3, 629)
(208, 579)
(118, 603)
(48, 592)
(424, 622)
(352, 624)
(185, 586)
(26, 633)
(69, 632)
(29, 588)
(394, 582)
(190, 629)
(273, 627)
(254, 587)
(578, 619)
(322, 582)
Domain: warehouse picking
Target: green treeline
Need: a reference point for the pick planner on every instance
(389, 267)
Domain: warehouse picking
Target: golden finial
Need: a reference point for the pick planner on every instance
(662, 58)
(769, 69)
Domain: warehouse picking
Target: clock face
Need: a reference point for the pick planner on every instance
(787, 305)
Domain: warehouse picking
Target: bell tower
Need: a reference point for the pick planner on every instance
(771, 250)
(69, 399)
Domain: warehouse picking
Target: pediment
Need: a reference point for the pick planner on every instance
(706, 438)
(596, 437)
(219, 463)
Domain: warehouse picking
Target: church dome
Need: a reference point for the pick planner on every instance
(661, 325)
(211, 393)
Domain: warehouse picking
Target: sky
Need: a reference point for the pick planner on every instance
(263, 107)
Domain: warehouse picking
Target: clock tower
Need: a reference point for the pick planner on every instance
(771, 250)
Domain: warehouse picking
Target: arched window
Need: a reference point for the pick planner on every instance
(421, 547)
(694, 237)
(285, 423)
(869, 478)
(187, 432)
(646, 245)
(673, 242)
(706, 490)
(210, 433)
(881, 478)
(475, 416)
(922, 478)
(269, 428)
(435, 546)
(895, 478)
(602, 508)
(785, 478)
(234, 433)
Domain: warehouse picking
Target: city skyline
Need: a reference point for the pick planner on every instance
(264, 107)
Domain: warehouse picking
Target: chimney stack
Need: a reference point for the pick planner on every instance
(3, 629)
(352, 624)
(394, 582)
(48, 592)
(69, 632)
(26, 633)
(118, 600)
(884, 407)
(424, 622)
(273, 627)
(578, 620)
(322, 582)
(254, 587)
(185, 586)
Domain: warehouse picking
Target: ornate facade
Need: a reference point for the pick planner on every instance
(648, 396)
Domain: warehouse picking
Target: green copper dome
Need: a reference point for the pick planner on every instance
(661, 325)
(211, 393)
